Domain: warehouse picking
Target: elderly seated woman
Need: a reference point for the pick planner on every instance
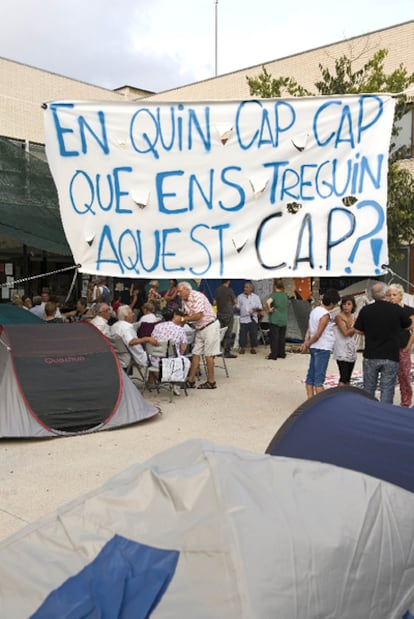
(170, 330)
(50, 312)
(146, 323)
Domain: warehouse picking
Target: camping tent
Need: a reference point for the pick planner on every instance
(298, 310)
(346, 427)
(208, 531)
(63, 379)
(13, 314)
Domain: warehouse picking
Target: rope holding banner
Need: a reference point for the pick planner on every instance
(12, 283)
(75, 275)
(389, 270)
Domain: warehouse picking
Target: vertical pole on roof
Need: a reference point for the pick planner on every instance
(215, 36)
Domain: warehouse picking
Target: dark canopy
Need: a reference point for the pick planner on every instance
(29, 208)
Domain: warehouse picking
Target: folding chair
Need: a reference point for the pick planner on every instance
(263, 332)
(220, 354)
(190, 335)
(127, 361)
(172, 352)
(153, 371)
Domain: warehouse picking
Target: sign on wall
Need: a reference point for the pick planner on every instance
(255, 188)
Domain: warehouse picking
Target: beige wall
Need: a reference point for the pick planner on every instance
(398, 40)
(23, 89)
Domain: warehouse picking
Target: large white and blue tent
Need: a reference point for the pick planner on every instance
(209, 531)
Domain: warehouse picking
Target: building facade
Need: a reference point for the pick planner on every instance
(32, 241)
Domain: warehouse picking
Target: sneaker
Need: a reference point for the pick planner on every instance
(230, 355)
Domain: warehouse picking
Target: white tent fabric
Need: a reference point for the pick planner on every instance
(259, 536)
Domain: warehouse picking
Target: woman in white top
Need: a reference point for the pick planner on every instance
(345, 349)
(319, 340)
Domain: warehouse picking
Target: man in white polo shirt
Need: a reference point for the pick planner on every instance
(124, 328)
(100, 321)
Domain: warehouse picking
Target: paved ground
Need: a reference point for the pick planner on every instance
(37, 476)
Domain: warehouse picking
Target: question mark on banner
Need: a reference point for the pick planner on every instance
(331, 242)
(376, 244)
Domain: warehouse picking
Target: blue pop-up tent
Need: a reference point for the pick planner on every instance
(348, 428)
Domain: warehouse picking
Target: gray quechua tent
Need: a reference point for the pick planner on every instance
(60, 379)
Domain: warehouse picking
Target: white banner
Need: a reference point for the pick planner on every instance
(240, 189)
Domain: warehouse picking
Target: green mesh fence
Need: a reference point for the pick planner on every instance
(29, 210)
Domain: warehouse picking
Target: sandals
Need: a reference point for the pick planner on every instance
(207, 385)
(190, 384)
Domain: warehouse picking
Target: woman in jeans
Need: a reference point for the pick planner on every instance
(395, 293)
(319, 340)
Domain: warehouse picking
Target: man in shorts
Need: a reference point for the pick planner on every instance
(199, 311)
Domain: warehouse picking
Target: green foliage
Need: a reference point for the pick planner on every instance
(368, 79)
(400, 209)
(266, 86)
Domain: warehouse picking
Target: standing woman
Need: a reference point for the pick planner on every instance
(345, 350)
(170, 295)
(153, 294)
(320, 340)
(89, 293)
(277, 305)
(395, 294)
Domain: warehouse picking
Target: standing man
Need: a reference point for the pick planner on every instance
(199, 311)
(249, 305)
(381, 322)
(226, 300)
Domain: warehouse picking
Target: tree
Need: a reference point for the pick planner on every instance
(370, 78)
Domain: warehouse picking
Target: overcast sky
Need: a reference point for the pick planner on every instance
(160, 44)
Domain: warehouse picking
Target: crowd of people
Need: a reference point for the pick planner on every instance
(387, 325)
